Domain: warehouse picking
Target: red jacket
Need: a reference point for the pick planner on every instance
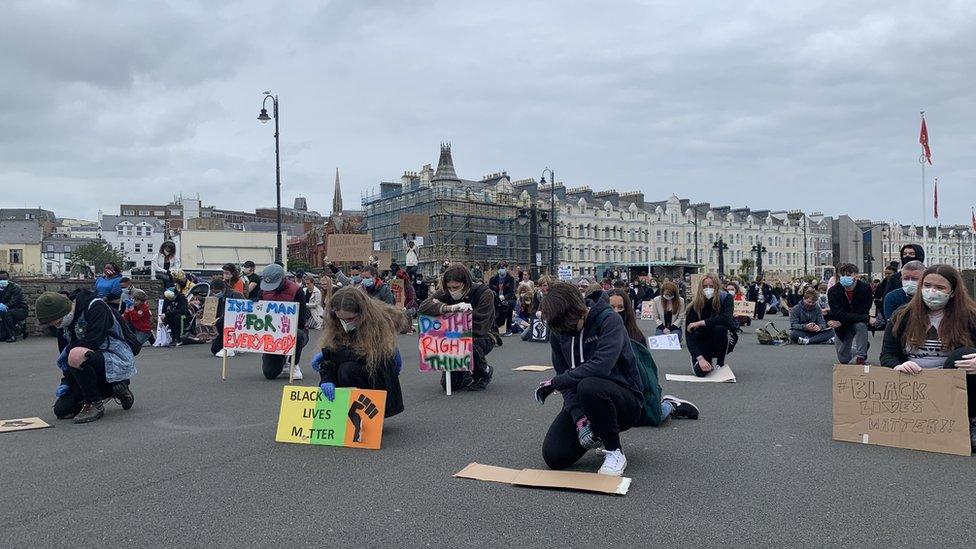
(140, 318)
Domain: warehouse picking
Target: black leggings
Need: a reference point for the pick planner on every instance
(713, 344)
(970, 379)
(85, 384)
(760, 309)
(611, 408)
(273, 365)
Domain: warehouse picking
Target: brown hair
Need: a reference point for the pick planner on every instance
(958, 317)
(811, 293)
(456, 273)
(629, 316)
(563, 305)
(698, 302)
(374, 339)
(673, 304)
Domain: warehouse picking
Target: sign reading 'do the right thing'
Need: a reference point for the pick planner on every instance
(446, 342)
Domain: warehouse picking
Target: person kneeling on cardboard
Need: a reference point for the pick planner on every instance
(95, 359)
(596, 372)
(359, 347)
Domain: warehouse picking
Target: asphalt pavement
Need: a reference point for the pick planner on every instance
(194, 463)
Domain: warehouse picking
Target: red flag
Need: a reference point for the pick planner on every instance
(936, 199)
(973, 211)
(923, 138)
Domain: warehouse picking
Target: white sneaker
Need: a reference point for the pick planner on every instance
(614, 463)
(803, 340)
(298, 373)
(225, 352)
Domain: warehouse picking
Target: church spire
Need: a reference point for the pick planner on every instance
(445, 166)
(337, 198)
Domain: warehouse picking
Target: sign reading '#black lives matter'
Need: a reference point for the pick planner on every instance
(877, 405)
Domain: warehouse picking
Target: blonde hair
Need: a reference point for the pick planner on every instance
(374, 338)
(698, 302)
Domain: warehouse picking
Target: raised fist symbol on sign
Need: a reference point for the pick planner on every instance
(365, 405)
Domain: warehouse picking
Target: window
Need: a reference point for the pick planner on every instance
(48, 266)
(49, 247)
(128, 212)
(67, 248)
(144, 213)
(16, 257)
(159, 213)
(149, 248)
(138, 248)
(120, 230)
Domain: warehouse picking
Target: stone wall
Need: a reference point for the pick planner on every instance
(34, 287)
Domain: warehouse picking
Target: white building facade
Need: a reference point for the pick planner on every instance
(950, 244)
(138, 238)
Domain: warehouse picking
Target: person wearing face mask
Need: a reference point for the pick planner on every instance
(908, 253)
(95, 360)
(375, 287)
(165, 261)
(252, 281)
(762, 295)
(850, 308)
(936, 329)
(807, 323)
(458, 292)
(911, 274)
(668, 310)
(275, 287)
(359, 348)
(222, 293)
(477, 274)
(597, 376)
(232, 278)
(108, 286)
(13, 309)
(503, 284)
(709, 326)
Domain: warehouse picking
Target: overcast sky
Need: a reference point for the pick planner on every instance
(774, 105)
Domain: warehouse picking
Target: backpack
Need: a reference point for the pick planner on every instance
(649, 379)
(128, 334)
(769, 335)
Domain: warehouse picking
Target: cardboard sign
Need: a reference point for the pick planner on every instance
(538, 478)
(743, 308)
(665, 342)
(414, 224)
(565, 273)
(446, 343)
(354, 419)
(396, 286)
(354, 248)
(22, 424)
(877, 405)
(383, 259)
(717, 375)
(538, 330)
(210, 310)
(533, 368)
(645, 310)
(269, 327)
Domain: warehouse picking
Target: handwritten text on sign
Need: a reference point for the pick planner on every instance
(928, 411)
(354, 418)
(269, 327)
(666, 342)
(446, 344)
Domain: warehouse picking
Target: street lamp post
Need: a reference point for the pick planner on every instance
(759, 249)
(264, 118)
(552, 219)
(721, 246)
(534, 219)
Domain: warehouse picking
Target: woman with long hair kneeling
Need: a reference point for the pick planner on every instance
(936, 329)
(359, 347)
(709, 324)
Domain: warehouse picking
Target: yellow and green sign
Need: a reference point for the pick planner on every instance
(354, 418)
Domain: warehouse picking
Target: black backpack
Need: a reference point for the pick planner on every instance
(128, 334)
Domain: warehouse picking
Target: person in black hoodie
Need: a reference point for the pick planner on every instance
(762, 294)
(503, 284)
(709, 326)
(596, 372)
(850, 308)
(909, 252)
(13, 309)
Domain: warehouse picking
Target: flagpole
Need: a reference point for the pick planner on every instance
(921, 160)
(938, 237)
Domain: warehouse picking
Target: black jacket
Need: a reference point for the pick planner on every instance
(753, 293)
(13, 297)
(894, 282)
(722, 318)
(849, 311)
(504, 288)
(482, 301)
(601, 349)
(893, 347)
(385, 378)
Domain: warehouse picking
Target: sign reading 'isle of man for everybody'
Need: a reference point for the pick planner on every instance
(354, 418)
(446, 342)
(269, 327)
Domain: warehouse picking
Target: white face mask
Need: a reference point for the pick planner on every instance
(347, 326)
(668, 297)
(910, 286)
(935, 299)
(456, 295)
(709, 292)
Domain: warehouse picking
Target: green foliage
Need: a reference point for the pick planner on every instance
(90, 257)
(298, 265)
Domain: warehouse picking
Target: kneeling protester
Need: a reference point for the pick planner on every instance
(597, 375)
(359, 347)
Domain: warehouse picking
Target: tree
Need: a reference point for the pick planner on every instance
(746, 268)
(295, 265)
(89, 258)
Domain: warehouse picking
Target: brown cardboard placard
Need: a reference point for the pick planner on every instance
(877, 405)
(538, 478)
(396, 286)
(383, 259)
(22, 424)
(743, 308)
(717, 375)
(533, 368)
(354, 248)
(210, 310)
(414, 224)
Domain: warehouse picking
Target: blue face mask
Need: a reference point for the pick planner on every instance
(368, 282)
(3, 284)
(847, 281)
(357, 279)
(502, 272)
